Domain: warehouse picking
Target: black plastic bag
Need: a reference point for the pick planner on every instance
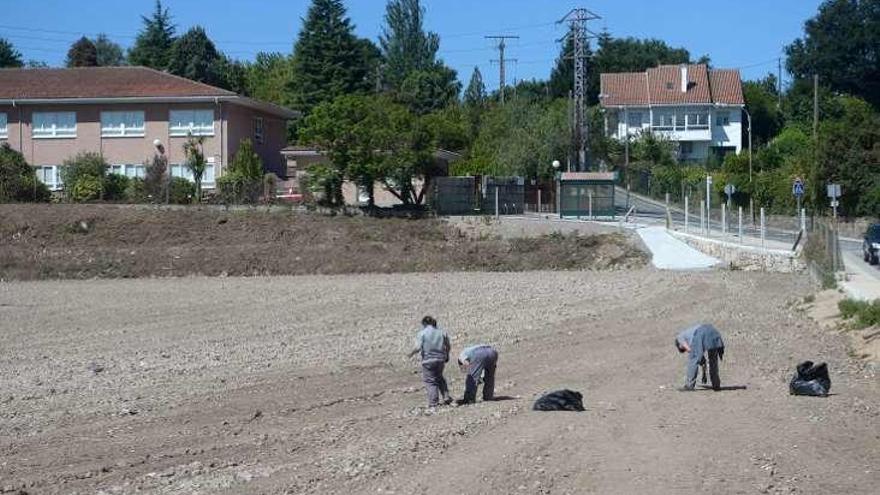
(560, 400)
(810, 380)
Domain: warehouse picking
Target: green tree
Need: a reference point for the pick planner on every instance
(562, 76)
(762, 102)
(108, 53)
(152, 47)
(246, 163)
(412, 71)
(195, 57)
(17, 179)
(328, 59)
(9, 56)
(82, 54)
(841, 44)
(268, 76)
(193, 148)
(475, 94)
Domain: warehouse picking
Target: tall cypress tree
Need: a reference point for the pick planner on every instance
(475, 94)
(152, 48)
(406, 45)
(328, 59)
(195, 57)
(82, 54)
(9, 56)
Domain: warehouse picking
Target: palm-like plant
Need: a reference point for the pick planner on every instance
(195, 161)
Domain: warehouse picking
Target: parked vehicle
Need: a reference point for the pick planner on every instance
(871, 244)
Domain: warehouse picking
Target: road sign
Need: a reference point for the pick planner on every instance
(798, 187)
(835, 203)
(833, 191)
(730, 189)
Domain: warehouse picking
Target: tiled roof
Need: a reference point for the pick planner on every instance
(726, 86)
(662, 86)
(99, 82)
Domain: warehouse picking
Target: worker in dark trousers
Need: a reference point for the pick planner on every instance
(700, 342)
(433, 345)
(478, 362)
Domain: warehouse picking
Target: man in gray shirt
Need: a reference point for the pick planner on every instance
(433, 344)
(478, 361)
(696, 341)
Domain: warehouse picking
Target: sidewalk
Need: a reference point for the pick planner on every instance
(669, 253)
(859, 283)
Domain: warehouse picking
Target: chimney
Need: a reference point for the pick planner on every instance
(684, 78)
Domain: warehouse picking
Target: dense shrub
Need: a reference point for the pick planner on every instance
(18, 182)
(155, 180)
(136, 191)
(85, 188)
(864, 313)
(115, 186)
(181, 191)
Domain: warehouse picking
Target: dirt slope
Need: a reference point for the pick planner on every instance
(298, 385)
(109, 241)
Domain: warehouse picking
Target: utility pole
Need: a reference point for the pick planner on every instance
(577, 21)
(815, 107)
(501, 60)
(779, 83)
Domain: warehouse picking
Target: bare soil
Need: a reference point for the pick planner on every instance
(299, 385)
(110, 241)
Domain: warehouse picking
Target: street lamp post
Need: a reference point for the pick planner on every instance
(751, 189)
(160, 149)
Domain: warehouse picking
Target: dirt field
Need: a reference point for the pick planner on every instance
(299, 385)
(109, 241)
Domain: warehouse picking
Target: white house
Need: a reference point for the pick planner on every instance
(698, 108)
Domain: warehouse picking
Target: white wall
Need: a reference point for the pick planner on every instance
(729, 135)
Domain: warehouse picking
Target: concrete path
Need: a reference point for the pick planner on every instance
(669, 253)
(861, 278)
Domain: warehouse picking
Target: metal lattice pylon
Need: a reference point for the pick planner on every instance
(577, 20)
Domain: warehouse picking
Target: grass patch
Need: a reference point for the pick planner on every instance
(862, 314)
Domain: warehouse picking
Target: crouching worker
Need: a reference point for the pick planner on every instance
(433, 344)
(696, 341)
(479, 363)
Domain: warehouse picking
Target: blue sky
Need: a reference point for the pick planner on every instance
(747, 34)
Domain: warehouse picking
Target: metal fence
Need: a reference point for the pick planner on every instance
(477, 195)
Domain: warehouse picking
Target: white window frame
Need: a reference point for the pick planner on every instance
(182, 170)
(660, 121)
(130, 170)
(4, 126)
(190, 116)
(55, 184)
(634, 120)
(259, 130)
(698, 125)
(127, 126)
(722, 119)
(52, 129)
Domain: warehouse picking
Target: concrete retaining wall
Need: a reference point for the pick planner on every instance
(746, 258)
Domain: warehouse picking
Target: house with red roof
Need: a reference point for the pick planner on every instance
(127, 114)
(698, 108)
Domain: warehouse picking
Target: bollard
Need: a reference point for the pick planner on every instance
(740, 224)
(762, 228)
(702, 217)
(539, 200)
(803, 220)
(497, 212)
(686, 213)
(723, 221)
(590, 197)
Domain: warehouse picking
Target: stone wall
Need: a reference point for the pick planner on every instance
(746, 258)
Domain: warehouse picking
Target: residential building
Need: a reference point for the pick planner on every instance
(127, 114)
(698, 108)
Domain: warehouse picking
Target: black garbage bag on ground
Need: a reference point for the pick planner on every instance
(560, 400)
(811, 379)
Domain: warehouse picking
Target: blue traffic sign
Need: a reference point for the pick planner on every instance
(798, 188)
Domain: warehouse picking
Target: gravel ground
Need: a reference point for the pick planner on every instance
(299, 385)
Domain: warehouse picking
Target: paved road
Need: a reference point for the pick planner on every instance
(853, 260)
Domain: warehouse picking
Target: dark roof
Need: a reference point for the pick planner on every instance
(662, 86)
(99, 82)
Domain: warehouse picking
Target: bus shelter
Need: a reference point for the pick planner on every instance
(586, 194)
